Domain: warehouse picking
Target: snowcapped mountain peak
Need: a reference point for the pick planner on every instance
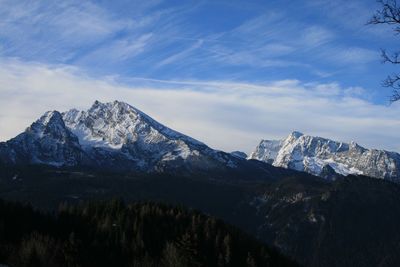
(115, 124)
(112, 135)
(355, 146)
(267, 150)
(51, 117)
(295, 135)
(46, 141)
(113, 107)
(316, 154)
(51, 123)
(103, 124)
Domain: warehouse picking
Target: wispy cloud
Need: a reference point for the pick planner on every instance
(226, 115)
(355, 55)
(190, 63)
(315, 36)
(159, 39)
(38, 28)
(180, 55)
(275, 40)
(118, 50)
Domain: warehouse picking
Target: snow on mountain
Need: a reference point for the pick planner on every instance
(111, 135)
(46, 141)
(114, 124)
(118, 136)
(267, 150)
(315, 154)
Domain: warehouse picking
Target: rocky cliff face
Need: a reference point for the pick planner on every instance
(111, 135)
(318, 156)
(46, 141)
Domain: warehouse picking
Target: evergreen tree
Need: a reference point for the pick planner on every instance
(113, 234)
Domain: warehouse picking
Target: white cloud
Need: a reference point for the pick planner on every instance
(137, 37)
(118, 50)
(180, 55)
(56, 31)
(353, 55)
(315, 36)
(225, 115)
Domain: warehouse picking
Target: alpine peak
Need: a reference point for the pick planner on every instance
(316, 154)
(112, 135)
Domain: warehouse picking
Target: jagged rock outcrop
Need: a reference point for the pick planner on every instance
(318, 156)
(47, 141)
(113, 136)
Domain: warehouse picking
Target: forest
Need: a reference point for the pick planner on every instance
(112, 233)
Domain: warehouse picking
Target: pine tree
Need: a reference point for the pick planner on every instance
(171, 257)
(250, 262)
(228, 249)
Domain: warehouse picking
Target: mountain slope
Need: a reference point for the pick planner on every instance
(113, 136)
(319, 156)
(349, 222)
(114, 234)
(46, 141)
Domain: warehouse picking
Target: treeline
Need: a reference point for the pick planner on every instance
(111, 233)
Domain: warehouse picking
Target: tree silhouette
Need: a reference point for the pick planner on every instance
(111, 233)
(389, 14)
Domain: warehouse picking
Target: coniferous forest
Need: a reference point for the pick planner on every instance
(111, 233)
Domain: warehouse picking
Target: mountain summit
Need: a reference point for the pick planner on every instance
(116, 124)
(46, 141)
(320, 156)
(116, 136)
(111, 135)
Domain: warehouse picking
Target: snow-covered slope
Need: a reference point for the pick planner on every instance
(111, 135)
(116, 123)
(318, 155)
(46, 141)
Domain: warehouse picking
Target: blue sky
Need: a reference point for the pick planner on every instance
(238, 55)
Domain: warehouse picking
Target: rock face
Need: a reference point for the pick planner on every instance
(46, 141)
(111, 135)
(319, 156)
(239, 154)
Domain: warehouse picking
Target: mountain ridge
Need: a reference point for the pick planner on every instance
(111, 135)
(315, 154)
(116, 136)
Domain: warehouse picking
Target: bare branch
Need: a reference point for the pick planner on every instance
(393, 58)
(392, 81)
(389, 14)
(395, 96)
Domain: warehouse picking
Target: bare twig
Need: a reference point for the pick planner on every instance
(389, 14)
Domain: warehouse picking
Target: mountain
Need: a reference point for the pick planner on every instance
(114, 136)
(46, 141)
(324, 157)
(349, 222)
(239, 154)
(352, 221)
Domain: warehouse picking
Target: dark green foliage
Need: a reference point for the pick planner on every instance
(348, 222)
(111, 233)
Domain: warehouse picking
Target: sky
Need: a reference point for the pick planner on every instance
(228, 73)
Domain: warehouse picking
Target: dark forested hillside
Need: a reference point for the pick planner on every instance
(352, 221)
(114, 234)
